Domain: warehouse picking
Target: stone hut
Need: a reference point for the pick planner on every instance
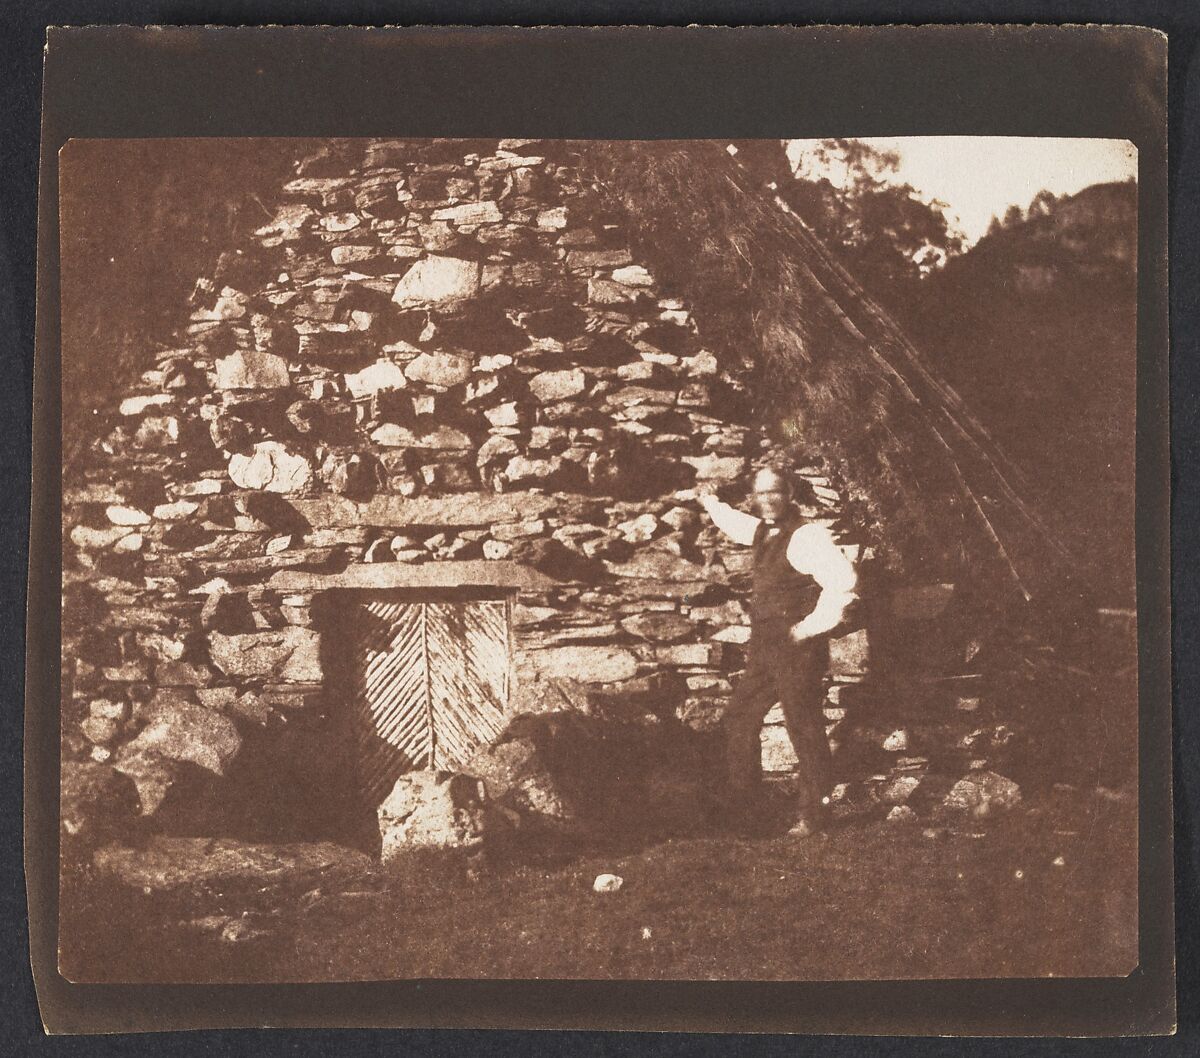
(423, 457)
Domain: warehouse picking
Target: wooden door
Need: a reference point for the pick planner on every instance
(431, 684)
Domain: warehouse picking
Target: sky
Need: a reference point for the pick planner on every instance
(979, 177)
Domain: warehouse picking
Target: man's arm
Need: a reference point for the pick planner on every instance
(814, 551)
(738, 526)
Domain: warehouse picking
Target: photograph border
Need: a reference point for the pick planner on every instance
(621, 83)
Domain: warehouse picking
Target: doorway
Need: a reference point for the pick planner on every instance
(429, 682)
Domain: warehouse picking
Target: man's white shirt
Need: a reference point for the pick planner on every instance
(812, 551)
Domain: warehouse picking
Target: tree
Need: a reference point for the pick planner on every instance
(886, 234)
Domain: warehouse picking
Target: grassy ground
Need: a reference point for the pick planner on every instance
(870, 899)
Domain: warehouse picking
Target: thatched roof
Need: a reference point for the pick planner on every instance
(832, 369)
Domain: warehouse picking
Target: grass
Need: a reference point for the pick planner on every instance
(869, 900)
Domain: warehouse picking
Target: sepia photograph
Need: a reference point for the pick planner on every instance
(684, 560)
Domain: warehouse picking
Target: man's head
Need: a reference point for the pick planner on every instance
(772, 494)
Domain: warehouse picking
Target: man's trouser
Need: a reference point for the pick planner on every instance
(792, 674)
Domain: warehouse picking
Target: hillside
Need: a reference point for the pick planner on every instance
(1035, 327)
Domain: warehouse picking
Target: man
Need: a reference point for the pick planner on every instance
(802, 585)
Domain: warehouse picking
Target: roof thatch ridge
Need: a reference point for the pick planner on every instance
(831, 362)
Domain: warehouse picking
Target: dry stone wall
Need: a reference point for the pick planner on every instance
(430, 354)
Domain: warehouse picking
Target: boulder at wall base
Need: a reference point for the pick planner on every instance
(566, 770)
(432, 809)
(183, 731)
(982, 793)
(516, 776)
(97, 804)
(172, 792)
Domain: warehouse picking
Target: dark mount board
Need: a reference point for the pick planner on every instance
(619, 83)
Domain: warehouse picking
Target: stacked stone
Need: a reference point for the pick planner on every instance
(433, 352)
(434, 356)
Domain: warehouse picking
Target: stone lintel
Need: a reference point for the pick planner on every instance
(468, 508)
(389, 575)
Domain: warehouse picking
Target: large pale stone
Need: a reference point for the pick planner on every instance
(137, 405)
(353, 254)
(434, 280)
(393, 435)
(470, 213)
(558, 385)
(983, 792)
(552, 219)
(271, 467)
(130, 516)
(381, 375)
(660, 565)
(506, 414)
(155, 777)
(247, 369)
(183, 731)
(590, 664)
(432, 809)
(439, 369)
(521, 470)
(717, 468)
(291, 655)
(496, 448)
(467, 508)
(516, 775)
(639, 530)
(171, 512)
(447, 574)
(633, 276)
(86, 537)
(693, 655)
(703, 363)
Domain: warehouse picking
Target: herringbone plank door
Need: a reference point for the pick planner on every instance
(395, 731)
(431, 685)
(468, 653)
